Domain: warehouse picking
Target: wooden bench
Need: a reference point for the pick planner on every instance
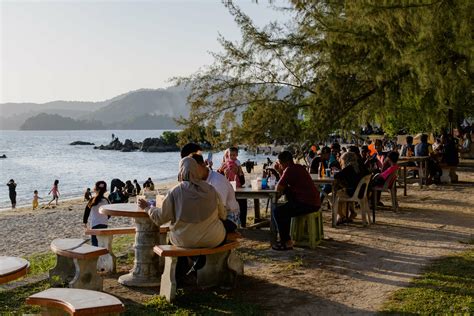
(222, 266)
(56, 301)
(12, 268)
(77, 263)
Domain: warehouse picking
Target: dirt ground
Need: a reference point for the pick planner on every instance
(353, 271)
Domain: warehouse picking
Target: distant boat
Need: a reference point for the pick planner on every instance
(3, 156)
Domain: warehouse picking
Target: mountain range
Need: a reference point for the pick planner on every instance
(140, 109)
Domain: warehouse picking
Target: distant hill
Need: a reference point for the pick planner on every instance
(142, 102)
(45, 121)
(145, 107)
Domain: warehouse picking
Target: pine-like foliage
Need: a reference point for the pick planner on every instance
(338, 64)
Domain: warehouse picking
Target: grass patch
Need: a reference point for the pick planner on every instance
(194, 303)
(13, 301)
(123, 243)
(123, 248)
(446, 287)
(41, 263)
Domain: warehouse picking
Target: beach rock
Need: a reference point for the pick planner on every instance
(157, 145)
(79, 142)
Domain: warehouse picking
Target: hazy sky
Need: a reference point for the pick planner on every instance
(95, 50)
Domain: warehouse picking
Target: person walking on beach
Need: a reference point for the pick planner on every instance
(12, 192)
(35, 199)
(55, 191)
(138, 188)
(92, 209)
(87, 195)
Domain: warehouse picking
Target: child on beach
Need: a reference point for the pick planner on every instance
(97, 220)
(231, 167)
(87, 194)
(232, 170)
(55, 192)
(35, 199)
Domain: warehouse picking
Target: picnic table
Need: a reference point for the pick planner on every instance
(146, 267)
(318, 180)
(404, 163)
(12, 268)
(272, 195)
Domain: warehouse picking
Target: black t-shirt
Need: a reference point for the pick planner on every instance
(11, 187)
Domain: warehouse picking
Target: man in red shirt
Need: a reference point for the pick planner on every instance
(301, 193)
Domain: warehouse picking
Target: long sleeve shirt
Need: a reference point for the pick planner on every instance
(206, 234)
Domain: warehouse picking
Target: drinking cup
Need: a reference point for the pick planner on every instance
(328, 173)
(254, 184)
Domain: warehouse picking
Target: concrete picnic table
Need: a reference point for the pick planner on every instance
(12, 268)
(146, 270)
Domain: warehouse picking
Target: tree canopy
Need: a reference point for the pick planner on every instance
(336, 65)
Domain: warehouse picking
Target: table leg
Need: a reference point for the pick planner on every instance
(273, 230)
(256, 206)
(333, 214)
(422, 173)
(146, 268)
(405, 180)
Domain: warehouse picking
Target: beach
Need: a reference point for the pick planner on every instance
(354, 270)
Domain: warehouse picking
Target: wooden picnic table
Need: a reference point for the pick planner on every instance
(422, 161)
(318, 180)
(146, 271)
(12, 268)
(272, 195)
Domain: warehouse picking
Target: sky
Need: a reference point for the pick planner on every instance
(86, 50)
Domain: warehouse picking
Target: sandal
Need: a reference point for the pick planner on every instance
(281, 247)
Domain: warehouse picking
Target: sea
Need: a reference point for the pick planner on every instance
(36, 158)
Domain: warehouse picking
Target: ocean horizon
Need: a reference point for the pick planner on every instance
(36, 158)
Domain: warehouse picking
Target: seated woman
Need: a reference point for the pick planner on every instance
(347, 180)
(381, 178)
(194, 209)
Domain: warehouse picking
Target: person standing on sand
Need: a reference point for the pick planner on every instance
(35, 199)
(138, 189)
(55, 191)
(97, 220)
(12, 192)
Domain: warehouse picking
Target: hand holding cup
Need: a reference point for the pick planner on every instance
(142, 203)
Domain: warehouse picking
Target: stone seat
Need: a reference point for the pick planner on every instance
(56, 301)
(76, 263)
(221, 268)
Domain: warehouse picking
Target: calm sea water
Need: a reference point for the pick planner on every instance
(37, 158)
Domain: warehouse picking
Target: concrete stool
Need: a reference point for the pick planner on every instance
(307, 230)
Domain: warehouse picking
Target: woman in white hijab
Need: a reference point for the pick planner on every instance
(194, 209)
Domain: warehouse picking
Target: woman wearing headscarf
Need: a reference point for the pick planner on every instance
(193, 208)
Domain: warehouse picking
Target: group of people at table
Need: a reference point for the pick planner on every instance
(202, 208)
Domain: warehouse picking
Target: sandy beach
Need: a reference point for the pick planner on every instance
(354, 270)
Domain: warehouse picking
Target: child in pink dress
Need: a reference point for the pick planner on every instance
(55, 191)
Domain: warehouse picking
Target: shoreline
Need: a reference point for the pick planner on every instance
(168, 184)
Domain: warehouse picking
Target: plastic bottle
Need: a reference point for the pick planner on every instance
(272, 182)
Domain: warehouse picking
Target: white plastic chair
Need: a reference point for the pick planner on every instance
(359, 196)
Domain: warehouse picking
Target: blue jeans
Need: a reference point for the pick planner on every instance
(94, 241)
